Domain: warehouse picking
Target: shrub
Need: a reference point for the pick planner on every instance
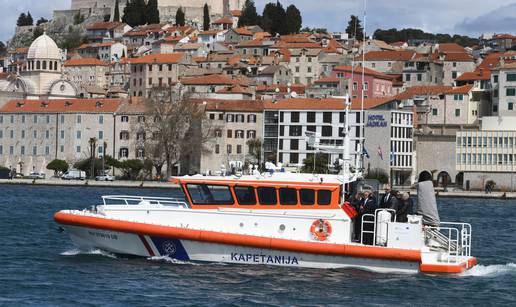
(378, 174)
(58, 166)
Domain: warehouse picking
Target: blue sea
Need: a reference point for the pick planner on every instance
(40, 267)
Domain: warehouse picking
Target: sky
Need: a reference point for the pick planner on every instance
(471, 17)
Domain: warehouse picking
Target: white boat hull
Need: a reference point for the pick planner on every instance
(188, 250)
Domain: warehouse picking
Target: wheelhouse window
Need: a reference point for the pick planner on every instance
(267, 196)
(288, 197)
(307, 197)
(203, 194)
(245, 195)
(323, 197)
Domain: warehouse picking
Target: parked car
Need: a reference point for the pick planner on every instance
(74, 175)
(36, 175)
(105, 177)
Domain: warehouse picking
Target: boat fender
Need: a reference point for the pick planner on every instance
(320, 230)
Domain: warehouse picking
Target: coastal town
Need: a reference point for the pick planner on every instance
(142, 90)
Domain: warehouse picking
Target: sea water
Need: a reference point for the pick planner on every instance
(40, 266)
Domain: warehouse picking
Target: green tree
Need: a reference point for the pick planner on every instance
(152, 12)
(378, 174)
(116, 14)
(3, 49)
(206, 18)
(131, 168)
(135, 13)
(249, 16)
(22, 20)
(180, 17)
(58, 166)
(354, 28)
(30, 21)
(294, 20)
(321, 164)
(41, 21)
(274, 19)
(78, 18)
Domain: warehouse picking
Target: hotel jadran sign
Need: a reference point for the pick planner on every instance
(375, 120)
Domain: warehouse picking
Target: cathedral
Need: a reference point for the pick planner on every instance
(168, 8)
(42, 76)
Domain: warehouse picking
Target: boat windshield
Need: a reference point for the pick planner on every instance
(204, 194)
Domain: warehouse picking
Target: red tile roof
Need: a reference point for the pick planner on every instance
(465, 89)
(403, 55)
(479, 74)
(451, 48)
(223, 20)
(243, 31)
(458, 57)
(166, 58)
(233, 105)
(104, 25)
(85, 62)
(367, 71)
(328, 80)
(283, 88)
(430, 90)
(236, 13)
(62, 106)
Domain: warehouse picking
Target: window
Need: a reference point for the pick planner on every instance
(511, 92)
(267, 196)
(22, 150)
(123, 153)
(229, 134)
(407, 77)
(419, 77)
(230, 118)
(239, 149)
(78, 135)
(79, 119)
(434, 112)
(458, 97)
(245, 195)
(294, 117)
(454, 75)
(35, 119)
(217, 149)
(251, 134)
(251, 118)
(101, 135)
(323, 197)
(124, 119)
(457, 112)
(34, 150)
(511, 77)
(78, 149)
(203, 194)
(295, 131)
(294, 144)
(23, 119)
(510, 106)
(495, 78)
(229, 149)
(35, 134)
(327, 117)
(288, 197)
(310, 117)
(23, 134)
(307, 197)
(327, 131)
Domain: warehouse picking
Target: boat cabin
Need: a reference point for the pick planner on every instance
(252, 193)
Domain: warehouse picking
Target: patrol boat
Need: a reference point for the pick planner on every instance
(274, 218)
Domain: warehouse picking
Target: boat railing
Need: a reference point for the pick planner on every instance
(371, 219)
(143, 200)
(454, 238)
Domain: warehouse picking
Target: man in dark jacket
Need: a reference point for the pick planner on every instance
(387, 198)
(368, 206)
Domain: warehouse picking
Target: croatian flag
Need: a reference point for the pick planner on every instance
(380, 152)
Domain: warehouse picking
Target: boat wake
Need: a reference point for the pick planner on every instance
(75, 252)
(494, 270)
(170, 260)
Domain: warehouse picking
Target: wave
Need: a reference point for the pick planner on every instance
(75, 252)
(494, 270)
(170, 260)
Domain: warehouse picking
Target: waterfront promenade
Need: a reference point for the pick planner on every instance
(168, 185)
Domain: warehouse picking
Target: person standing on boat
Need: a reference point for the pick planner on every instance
(403, 207)
(356, 202)
(367, 206)
(387, 198)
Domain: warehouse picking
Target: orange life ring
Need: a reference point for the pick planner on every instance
(321, 230)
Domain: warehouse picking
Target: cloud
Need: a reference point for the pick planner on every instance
(501, 20)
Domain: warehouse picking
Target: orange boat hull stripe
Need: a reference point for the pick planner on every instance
(240, 240)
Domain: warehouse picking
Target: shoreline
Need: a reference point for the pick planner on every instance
(168, 185)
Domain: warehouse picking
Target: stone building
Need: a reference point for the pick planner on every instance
(35, 132)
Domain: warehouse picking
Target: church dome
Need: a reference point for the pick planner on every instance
(44, 47)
